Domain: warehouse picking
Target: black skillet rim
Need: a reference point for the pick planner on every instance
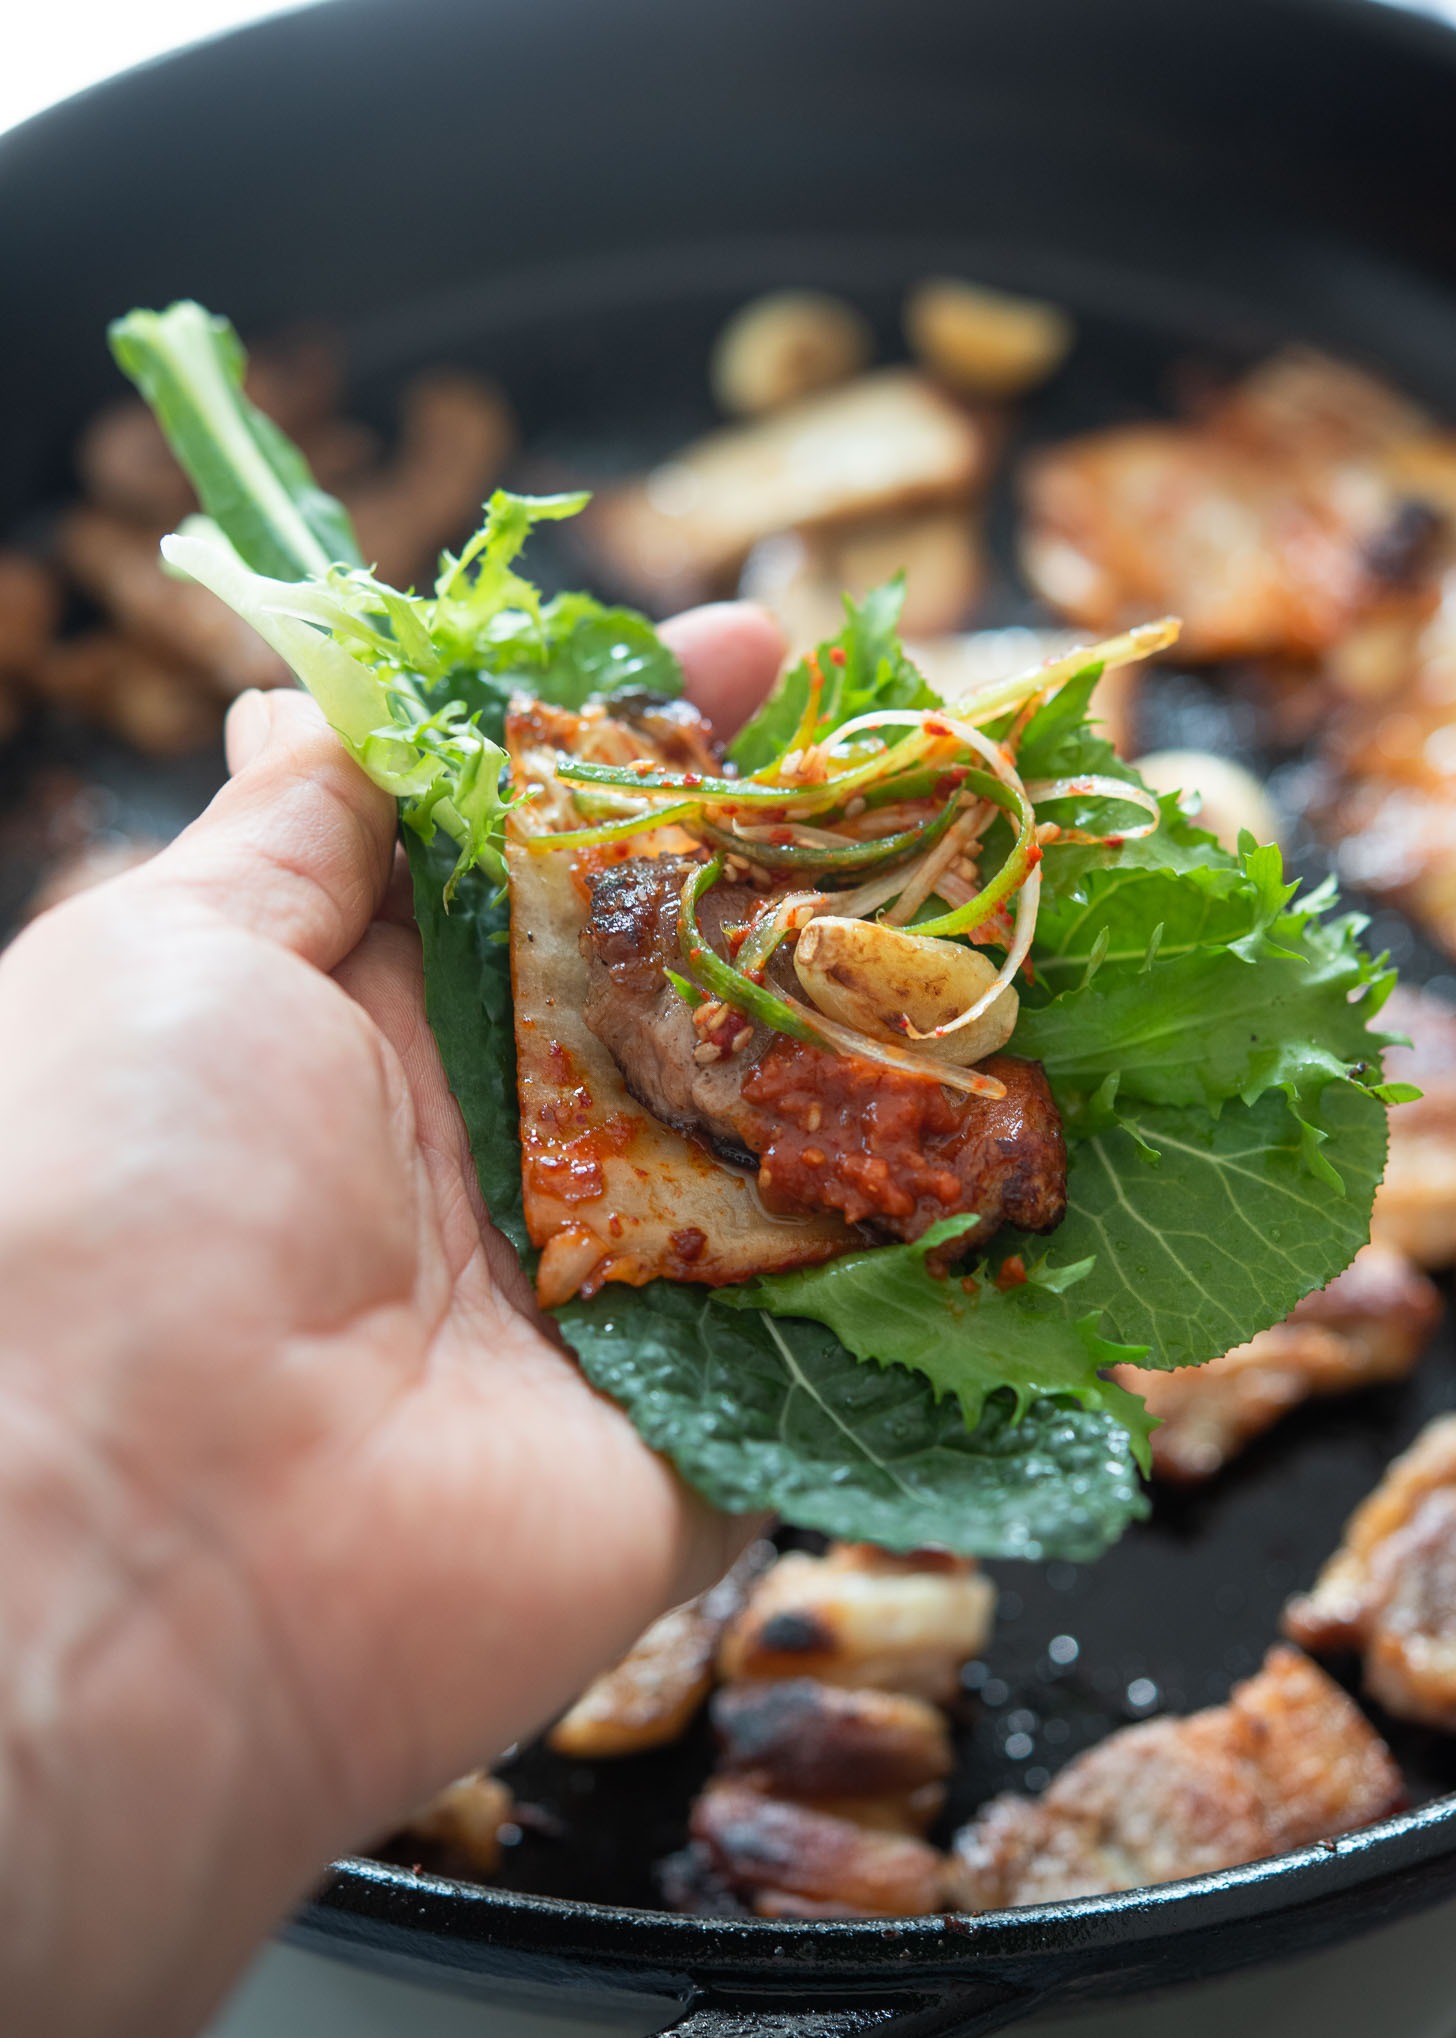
(402, 1911)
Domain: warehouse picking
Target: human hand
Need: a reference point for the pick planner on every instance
(305, 1510)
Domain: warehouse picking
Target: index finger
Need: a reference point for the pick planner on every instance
(730, 653)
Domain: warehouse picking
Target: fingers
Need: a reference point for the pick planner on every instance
(730, 654)
(299, 845)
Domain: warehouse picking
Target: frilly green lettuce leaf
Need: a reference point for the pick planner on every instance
(969, 1338)
(864, 667)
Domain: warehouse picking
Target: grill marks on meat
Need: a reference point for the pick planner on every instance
(813, 1740)
(792, 1861)
(1390, 1589)
(1287, 1761)
(863, 1618)
(831, 1132)
(629, 939)
(1368, 1326)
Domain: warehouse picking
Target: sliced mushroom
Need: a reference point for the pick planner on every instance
(986, 341)
(888, 442)
(784, 346)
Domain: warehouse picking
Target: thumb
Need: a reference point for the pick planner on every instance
(298, 845)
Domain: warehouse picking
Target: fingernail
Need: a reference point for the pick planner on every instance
(249, 723)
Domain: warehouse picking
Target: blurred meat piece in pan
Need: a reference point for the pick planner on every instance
(1369, 1325)
(1268, 524)
(1288, 1760)
(859, 1616)
(1415, 1205)
(1390, 1588)
(649, 1697)
(885, 443)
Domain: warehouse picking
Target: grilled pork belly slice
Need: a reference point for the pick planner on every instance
(1369, 1325)
(791, 1860)
(1288, 1760)
(831, 1132)
(1269, 524)
(801, 1738)
(610, 1192)
(1415, 1205)
(1390, 1588)
(858, 1616)
(794, 1861)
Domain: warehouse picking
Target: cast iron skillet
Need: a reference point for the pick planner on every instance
(571, 194)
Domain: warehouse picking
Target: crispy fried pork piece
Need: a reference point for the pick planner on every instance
(1391, 755)
(1415, 1205)
(887, 442)
(858, 1616)
(1390, 1588)
(789, 1860)
(1369, 1325)
(830, 1132)
(1267, 525)
(649, 1697)
(465, 1819)
(1288, 1760)
(798, 1737)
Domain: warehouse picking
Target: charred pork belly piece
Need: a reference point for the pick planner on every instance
(610, 1191)
(801, 1738)
(861, 1617)
(789, 1860)
(1288, 1760)
(1369, 1325)
(649, 1697)
(832, 1755)
(629, 940)
(830, 1132)
(1390, 1589)
(1415, 1205)
(1267, 524)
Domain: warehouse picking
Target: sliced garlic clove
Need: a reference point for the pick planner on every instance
(874, 977)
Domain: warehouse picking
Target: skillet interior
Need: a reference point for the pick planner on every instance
(1187, 1603)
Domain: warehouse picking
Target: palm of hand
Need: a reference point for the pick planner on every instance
(322, 1470)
